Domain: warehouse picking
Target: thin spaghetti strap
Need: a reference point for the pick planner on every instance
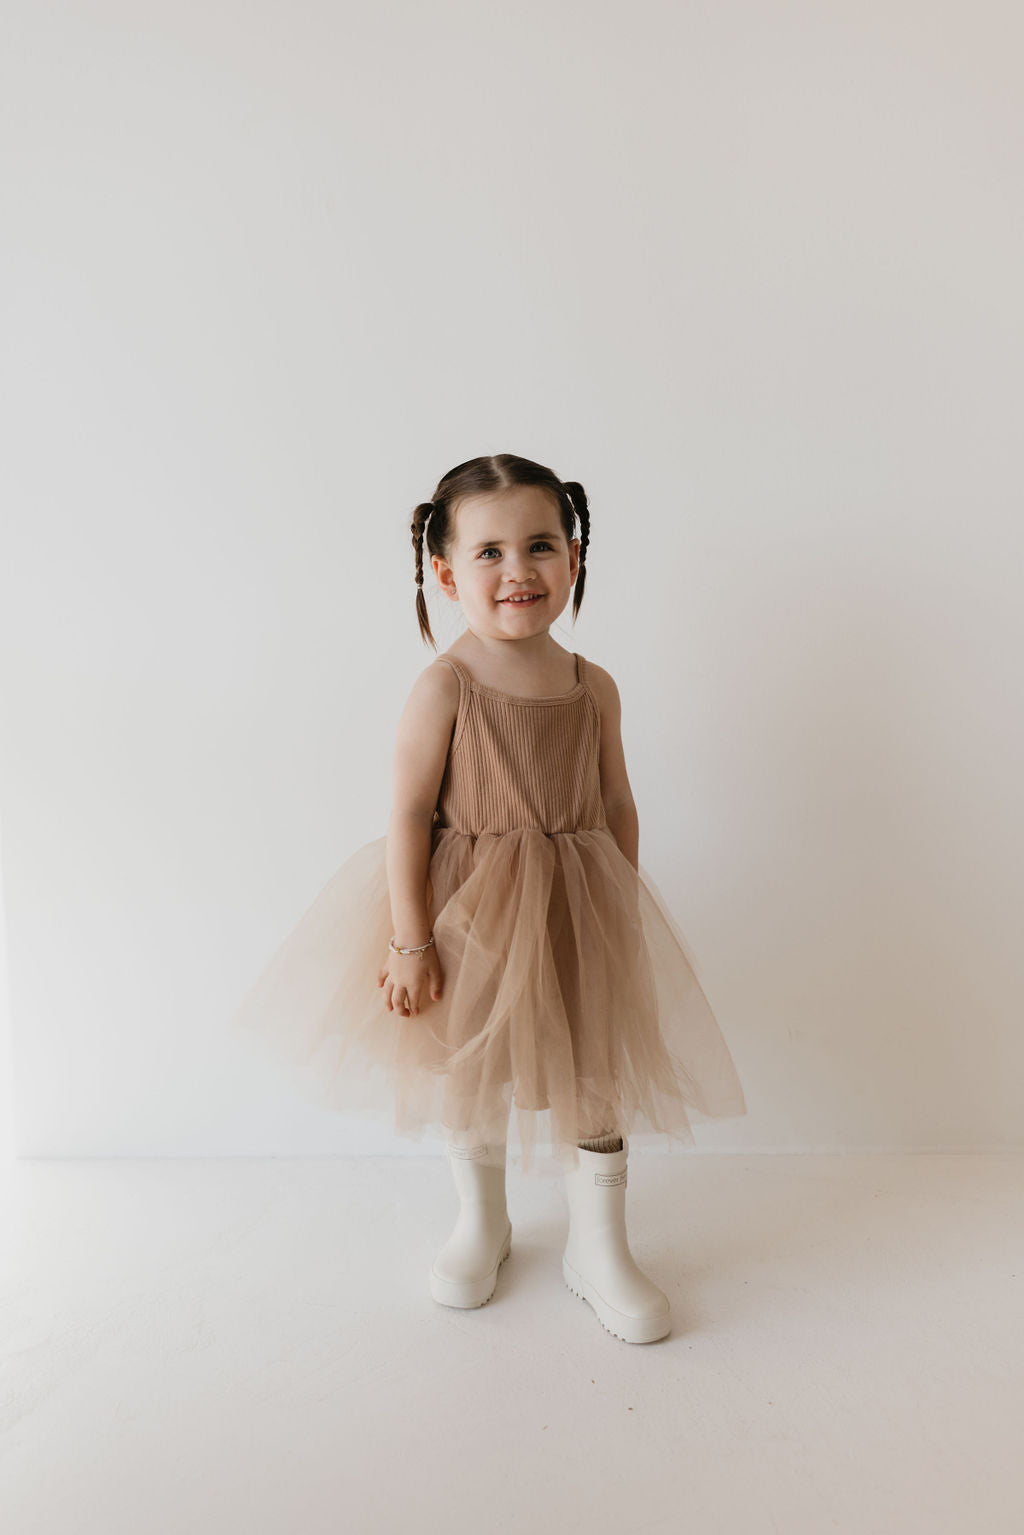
(457, 667)
(465, 694)
(581, 668)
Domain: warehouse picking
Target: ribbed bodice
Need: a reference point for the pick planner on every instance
(517, 762)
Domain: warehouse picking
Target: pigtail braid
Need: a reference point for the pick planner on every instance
(420, 518)
(578, 498)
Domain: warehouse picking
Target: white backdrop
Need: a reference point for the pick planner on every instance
(750, 272)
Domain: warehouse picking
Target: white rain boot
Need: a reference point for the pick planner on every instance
(465, 1271)
(598, 1265)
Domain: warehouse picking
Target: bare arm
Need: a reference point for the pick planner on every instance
(421, 750)
(408, 857)
(616, 794)
(624, 825)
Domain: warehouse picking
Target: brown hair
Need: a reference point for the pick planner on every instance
(481, 476)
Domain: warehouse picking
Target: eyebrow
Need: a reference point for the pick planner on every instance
(489, 542)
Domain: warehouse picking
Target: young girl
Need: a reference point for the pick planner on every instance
(502, 944)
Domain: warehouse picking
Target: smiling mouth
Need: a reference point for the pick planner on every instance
(521, 602)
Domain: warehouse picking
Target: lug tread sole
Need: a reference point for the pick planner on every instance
(646, 1329)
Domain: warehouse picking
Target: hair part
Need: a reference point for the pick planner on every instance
(435, 519)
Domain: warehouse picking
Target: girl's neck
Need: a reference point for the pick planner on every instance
(535, 665)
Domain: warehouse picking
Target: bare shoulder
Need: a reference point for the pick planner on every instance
(433, 700)
(605, 690)
(439, 681)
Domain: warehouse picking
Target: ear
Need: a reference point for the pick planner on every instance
(445, 576)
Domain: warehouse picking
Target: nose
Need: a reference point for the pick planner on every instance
(518, 568)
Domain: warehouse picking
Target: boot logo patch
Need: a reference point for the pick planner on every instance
(609, 1180)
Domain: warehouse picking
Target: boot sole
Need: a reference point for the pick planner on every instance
(631, 1329)
(467, 1295)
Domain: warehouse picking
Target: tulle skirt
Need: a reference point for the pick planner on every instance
(567, 994)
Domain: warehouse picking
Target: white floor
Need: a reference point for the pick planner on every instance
(199, 1346)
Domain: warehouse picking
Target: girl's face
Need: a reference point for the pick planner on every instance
(508, 544)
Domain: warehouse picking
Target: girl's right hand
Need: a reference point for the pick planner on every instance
(408, 979)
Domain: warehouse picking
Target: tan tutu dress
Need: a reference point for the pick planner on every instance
(567, 991)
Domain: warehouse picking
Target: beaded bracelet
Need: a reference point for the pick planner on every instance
(392, 945)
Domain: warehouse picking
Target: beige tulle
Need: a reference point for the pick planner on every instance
(567, 996)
